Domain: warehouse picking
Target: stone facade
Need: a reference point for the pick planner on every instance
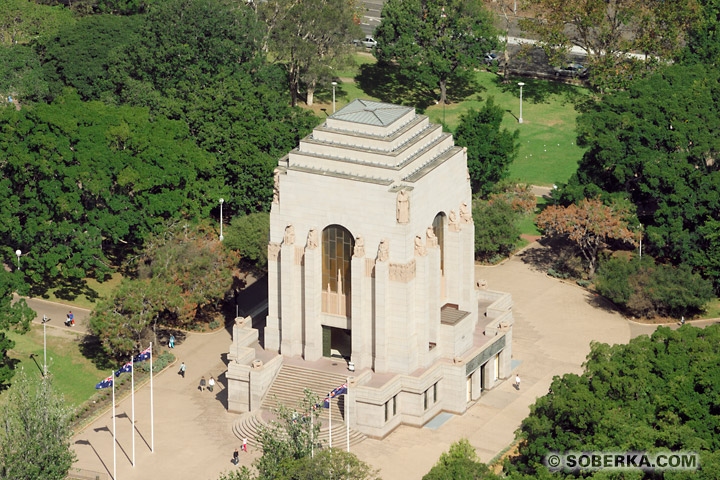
(371, 237)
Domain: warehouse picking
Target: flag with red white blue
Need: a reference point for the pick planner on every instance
(105, 383)
(144, 355)
(124, 369)
(341, 390)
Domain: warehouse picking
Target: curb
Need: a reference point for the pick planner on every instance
(118, 399)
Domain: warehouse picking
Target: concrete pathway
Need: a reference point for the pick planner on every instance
(56, 313)
(555, 322)
(193, 436)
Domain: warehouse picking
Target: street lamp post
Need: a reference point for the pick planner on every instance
(333, 85)
(17, 254)
(44, 346)
(521, 84)
(221, 225)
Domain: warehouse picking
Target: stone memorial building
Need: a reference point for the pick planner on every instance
(371, 259)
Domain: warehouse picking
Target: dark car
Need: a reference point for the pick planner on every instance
(571, 70)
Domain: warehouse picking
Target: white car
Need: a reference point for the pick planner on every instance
(367, 42)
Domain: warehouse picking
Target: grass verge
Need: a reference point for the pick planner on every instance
(73, 375)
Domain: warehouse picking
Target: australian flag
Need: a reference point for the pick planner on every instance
(341, 390)
(105, 383)
(125, 368)
(144, 355)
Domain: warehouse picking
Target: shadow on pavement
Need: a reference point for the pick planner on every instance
(87, 442)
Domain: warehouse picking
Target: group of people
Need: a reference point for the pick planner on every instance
(210, 384)
(236, 454)
(70, 319)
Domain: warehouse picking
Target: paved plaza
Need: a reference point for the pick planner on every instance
(555, 322)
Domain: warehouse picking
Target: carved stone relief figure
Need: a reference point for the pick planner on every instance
(276, 185)
(432, 240)
(273, 251)
(454, 226)
(312, 240)
(359, 250)
(465, 214)
(289, 238)
(403, 207)
(419, 247)
(383, 250)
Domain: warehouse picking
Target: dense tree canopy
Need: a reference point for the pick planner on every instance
(659, 148)
(460, 462)
(658, 392)
(434, 42)
(82, 178)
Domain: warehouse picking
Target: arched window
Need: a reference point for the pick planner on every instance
(438, 226)
(337, 249)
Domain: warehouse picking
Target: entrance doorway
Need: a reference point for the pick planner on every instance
(337, 343)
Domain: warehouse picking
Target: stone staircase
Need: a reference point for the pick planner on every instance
(288, 390)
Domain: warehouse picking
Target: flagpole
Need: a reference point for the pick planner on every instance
(152, 424)
(114, 431)
(312, 444)
(132, 396)
(347, 416)
(330, 414)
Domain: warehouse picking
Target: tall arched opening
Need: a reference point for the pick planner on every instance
(438, 227)
(337, 251)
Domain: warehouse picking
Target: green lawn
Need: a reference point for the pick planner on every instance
(548, 153)
(527, 222)
(73, 375)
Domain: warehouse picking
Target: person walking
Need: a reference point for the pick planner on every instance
(236, 457)
(182, 369)
(70, 319)
(211, 384)
(202, 384)
(517, 381)
(171, 343)
(244, 445)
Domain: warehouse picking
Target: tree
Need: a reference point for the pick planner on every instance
(82, 55)
(248, 236)
(659, 150)
(331, 464)
(13, 316)
(435, 42)
(490, 150)
(588, 224)
(122, 321)
(646, 289)
(460, 463)
(35, 433)
(23, 20)
(496, 231)
(21, 75)
(86, 179)
(289, 438)
(655, 393)
(608, 31)
(309, 38)
(703, 42)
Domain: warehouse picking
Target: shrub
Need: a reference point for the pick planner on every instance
(248, 235)
(495, 228)
(647, 289)
(214, 324)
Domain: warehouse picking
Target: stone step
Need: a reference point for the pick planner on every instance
(248, 426)
(291, 382)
